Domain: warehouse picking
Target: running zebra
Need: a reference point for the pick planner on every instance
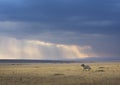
(86, 67)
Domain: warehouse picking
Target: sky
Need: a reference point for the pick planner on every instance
(59, 29)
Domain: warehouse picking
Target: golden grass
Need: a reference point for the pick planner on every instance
(59, 74)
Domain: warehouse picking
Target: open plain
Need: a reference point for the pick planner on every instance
(106, 73)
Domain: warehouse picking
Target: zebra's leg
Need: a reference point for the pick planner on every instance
(83, 69)
(89, 69)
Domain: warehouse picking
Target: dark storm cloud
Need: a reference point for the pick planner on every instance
(75, 15)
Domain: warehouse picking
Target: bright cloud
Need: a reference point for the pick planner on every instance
(11, 48)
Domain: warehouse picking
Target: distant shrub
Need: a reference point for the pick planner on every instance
(100, 70)
(57, 74)
(101, 67)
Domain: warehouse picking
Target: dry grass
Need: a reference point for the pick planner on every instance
(59, 74)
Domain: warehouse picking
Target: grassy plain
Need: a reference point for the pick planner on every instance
(60, 74)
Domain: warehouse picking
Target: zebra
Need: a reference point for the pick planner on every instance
(86, 67)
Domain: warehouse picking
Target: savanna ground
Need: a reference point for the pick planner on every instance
(60, 74)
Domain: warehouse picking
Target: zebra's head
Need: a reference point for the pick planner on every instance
(82, 65)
